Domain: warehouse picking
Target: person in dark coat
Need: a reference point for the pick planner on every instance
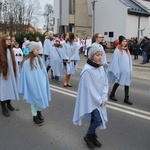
(144, 47)
(148, 52)
(135, 48)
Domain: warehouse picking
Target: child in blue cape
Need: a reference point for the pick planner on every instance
(8, 75)
(92, 96)
(34, 83)
(120, 70)
(56, 60)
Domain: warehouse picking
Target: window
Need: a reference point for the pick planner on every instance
(71, 7)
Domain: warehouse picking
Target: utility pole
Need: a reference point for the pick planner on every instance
(93, 22)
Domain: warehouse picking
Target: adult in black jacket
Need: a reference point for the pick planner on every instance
(135, 48)
(144, 46)
(148, 52)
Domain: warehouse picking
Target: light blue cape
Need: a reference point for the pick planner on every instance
(34, 84)
(120, 68)
(92, 90)
(71, 53)
(9, 87)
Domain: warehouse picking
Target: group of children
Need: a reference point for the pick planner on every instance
(93, 85)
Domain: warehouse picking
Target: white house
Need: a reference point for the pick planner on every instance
(121, 17)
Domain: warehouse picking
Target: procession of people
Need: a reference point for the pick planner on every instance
(25, 71)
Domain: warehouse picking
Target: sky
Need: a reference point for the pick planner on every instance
(40, 18)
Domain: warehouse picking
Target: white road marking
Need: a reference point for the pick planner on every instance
(111, 105)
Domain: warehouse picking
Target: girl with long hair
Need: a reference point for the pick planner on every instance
(71, 57)
(8, 75)
(120, 69)
(34, 83)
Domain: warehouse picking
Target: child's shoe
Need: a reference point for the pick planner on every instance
(37, 120)
(40, 116)
(89, 141)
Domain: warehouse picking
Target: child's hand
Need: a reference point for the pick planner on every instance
(103, 65)
(103, 104)
(69, 61)
(48, 57)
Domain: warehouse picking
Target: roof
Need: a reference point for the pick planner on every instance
(136, 8)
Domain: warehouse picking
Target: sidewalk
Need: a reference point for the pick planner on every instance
(140, 71)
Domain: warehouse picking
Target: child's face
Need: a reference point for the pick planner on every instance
(8, 41)
(57, 43)
(97, 57)
(17, 45)
(36, 51)
(124, 43)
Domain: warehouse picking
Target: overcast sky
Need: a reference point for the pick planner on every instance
(41, 19)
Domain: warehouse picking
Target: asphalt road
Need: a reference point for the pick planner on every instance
(128, 127)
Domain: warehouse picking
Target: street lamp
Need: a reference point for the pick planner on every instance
(93, 22)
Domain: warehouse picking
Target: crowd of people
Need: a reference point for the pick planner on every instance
(138, 47)
(26, 72)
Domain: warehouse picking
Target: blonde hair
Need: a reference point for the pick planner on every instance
(119, 47)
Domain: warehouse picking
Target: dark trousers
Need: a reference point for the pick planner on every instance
(95, 121)
(144, 55)
(126, 90)
(148, 58)
(135, 56)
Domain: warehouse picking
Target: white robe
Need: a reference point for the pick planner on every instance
(18, 51)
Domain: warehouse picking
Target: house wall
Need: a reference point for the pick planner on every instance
(56, 15)
(110, 16)
(83, 22)
(132, 26)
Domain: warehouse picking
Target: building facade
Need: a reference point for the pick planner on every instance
(72, 15)
(121, 17)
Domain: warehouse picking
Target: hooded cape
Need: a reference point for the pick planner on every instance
(47, 50)
(56, 60)
(120, 68)
(71, 53)
(9, 87)
(34, 84)
(92, 90)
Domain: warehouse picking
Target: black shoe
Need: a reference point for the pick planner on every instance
(112, 97)
(40, 115)
(5, 113)
(96, 142)
(89, 141)
(127, 101)
(37, 120)
(69, 85)
(57, 81)
(9, 105)
(4, 109)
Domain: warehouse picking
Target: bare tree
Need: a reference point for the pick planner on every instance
(48, 14)
(18, 14)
